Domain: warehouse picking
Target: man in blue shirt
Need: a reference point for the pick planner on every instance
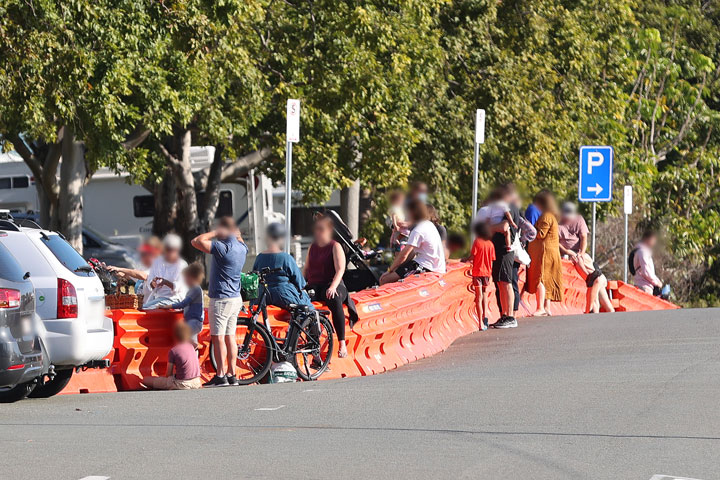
(228, 252)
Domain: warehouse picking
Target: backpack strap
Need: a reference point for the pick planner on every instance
(631, 261)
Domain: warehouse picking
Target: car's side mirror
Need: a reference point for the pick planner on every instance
(26, 276)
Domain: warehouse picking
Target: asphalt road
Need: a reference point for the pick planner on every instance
(623, 396)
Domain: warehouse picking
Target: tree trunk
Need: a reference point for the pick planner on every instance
(350, 207)
(366, 206)
(165, 201)
(72, 181)
(212, 190)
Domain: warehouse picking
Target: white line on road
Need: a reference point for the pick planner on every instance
(95, 477)
(670, 477)
(269, 409)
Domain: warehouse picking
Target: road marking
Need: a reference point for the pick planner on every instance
(670, 477)
(269, 409)
(95, 477)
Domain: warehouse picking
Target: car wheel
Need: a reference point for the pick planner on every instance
(54, 386)
(18, 392)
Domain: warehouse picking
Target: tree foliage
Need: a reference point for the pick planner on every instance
(388, 91)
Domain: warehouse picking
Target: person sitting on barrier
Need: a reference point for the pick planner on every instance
(642, 266)
(442, 231)
(224, 286)
(424, 251)
(544, 277)
(192, 304)
(597, 296)
(573, 231)
(165, 275)
(324, 270)
(149, 251)
(283, 289)
(482, 256)
(183, 368)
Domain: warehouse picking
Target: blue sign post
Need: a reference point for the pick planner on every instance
(595, 178)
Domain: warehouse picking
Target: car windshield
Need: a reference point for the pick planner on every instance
(67, 255)
(9, 267)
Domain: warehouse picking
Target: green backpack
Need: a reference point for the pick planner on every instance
(250, 286)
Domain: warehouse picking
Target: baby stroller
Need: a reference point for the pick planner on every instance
(363, 275)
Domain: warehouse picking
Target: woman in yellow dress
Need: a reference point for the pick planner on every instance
(544, 276)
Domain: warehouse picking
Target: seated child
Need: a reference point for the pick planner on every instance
(183, 370)
(496, 214)
(192, 304)
(482, 257)
(396, 219)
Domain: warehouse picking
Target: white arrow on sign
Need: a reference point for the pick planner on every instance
(597, 189)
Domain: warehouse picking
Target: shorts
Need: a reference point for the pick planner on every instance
(408, 268)
(502, 268)
(172, 383)
(223, 315)
(482, 282)
(590, 280)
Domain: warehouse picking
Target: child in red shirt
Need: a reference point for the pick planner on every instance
(482, 256)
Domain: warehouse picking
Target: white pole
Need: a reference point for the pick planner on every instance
(479, 138)
(476, 172)
(593, 230)
(625, 263)
(288, 193)
(253, 205)
(627, 209)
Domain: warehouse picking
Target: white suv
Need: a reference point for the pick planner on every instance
(69, 299)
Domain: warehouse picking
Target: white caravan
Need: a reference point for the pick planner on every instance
(124, 211)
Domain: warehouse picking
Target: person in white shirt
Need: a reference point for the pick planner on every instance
(165, 275)
(642, 266)
(496, 214)
(424, 250)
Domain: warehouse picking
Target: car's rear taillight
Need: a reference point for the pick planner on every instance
(9, 298)
(67, 304)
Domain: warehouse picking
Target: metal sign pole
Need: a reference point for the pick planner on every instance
(476, 172)
(479, 138)
(292, 134)
(593, 229)
(288, 193)
(627, 210)
(625, 263)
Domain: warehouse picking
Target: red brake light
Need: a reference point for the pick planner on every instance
(67, 303)
(16, 367)
(9, 298)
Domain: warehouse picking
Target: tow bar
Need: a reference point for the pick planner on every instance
(104, 363)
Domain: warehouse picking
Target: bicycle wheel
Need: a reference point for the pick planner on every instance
(253, 362)
(311, 347)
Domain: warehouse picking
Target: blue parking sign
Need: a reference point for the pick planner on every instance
(596, 174)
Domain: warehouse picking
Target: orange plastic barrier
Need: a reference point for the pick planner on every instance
(94, 380)
(399, 323)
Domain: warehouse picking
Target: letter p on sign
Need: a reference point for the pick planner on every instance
(595, 159)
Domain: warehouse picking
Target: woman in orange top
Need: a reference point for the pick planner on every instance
(544, 277)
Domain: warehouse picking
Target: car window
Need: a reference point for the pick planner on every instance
(89, 242)
(9, 267)
(67, 255)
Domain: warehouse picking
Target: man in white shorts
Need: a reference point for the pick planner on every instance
(229, 252)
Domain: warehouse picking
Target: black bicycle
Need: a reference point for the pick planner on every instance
(308, 344)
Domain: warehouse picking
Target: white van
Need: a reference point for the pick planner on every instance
(70, 300)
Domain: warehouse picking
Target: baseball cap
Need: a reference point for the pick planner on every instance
(172, 241)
